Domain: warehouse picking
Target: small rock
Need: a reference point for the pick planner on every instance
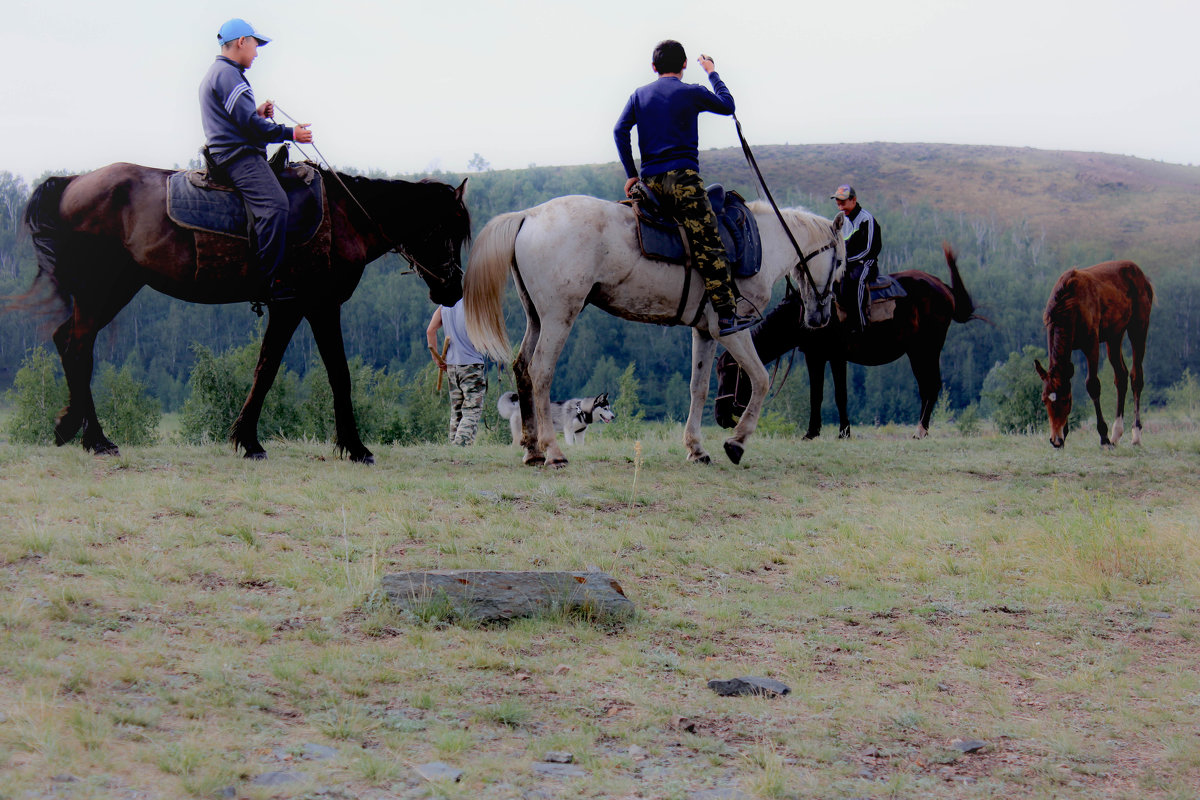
(724, 793)
(866, 774)
(638, 753)
(277, 779)
(941, 687)
(438, 771)
(228, 791)
(64, 778)
(561, 669)
(558, 770)
(748, 685)
(559, 757)
(317, 752)
(683, 724)
(968, 745)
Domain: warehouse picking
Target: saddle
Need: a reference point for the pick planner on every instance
(661, 237)
(883, 291)
(203, 201)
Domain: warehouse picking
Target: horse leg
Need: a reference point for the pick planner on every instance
(704, 347)
(281, 324)
(816, 394)
(1093, 390)
(526, 434)
(1137, 342)
(1121, 380)
(928, 372)
(545, 354)
(837, 368)
(75, 340)
(326, 322)
(741, 346)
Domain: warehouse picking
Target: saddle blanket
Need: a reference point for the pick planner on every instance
(884, 292)
(196, 204)
(661, 238)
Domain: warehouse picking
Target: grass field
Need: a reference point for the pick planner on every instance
(178, 622)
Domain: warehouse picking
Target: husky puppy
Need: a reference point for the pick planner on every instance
(571, 417)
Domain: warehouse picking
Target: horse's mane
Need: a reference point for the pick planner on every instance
(810, 223)
(381, 192)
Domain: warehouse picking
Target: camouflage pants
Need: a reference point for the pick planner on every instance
(683, 197)
(468, 385)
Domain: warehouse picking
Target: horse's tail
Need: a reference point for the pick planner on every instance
(493, 253)
(44, 223)
(964, 306)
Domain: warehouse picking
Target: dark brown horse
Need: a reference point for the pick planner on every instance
(1087, 307)
(100, 237)
(917, 329)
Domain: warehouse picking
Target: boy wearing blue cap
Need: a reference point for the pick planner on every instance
(237, 134)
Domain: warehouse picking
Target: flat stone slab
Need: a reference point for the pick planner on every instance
(558, 770)
(748, 685)
(498, 596)
(438, 771)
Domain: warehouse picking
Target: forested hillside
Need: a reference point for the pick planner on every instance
(1018, 218)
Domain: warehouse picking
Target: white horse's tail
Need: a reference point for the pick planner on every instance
(483, 287)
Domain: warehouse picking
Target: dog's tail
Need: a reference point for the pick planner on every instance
(507, 405)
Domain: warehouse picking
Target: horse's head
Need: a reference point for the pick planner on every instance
(733, 392)
(820, 270)
(1056, 396)
(427, 223)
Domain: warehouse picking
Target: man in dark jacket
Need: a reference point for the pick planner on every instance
(238, 133)
(863, 243)
(665, 114)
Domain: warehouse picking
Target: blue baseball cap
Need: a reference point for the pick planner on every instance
(236, 29)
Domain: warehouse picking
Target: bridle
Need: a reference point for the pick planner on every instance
(450, 267)
(822, 294)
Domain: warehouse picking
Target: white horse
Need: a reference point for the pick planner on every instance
(571, 251)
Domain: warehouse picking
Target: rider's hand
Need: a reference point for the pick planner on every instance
(629, 184)
(301, 133)
(267, 110)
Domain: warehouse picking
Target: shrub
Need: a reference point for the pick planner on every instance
(374, 395)
(38, 393)
(1013, 392)
(627, 407)
(1183, 396)
(218, 386)
(127, 412)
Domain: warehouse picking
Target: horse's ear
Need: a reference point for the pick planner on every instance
(461, 190)
(1040, 369)
(837, 221)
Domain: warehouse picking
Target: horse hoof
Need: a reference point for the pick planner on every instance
(700, 458)
(735, 450)
(260, 455)
(365, 458)
(106, 449)
(557, 463)
(531, 460)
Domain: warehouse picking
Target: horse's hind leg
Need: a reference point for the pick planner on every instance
(526, 435)
(928, 372)
(280, 326)
(1121, 379)
(1137, 342)
(540, 373)
(326, 324)
(76, 341)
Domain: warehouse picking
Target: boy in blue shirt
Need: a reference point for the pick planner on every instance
(665, 113)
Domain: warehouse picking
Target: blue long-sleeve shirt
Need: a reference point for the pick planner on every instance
(231, 122)
(665, 113)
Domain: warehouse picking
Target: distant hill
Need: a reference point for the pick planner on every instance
(1128, 204)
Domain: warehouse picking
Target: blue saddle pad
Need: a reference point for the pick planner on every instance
(661, 238)
(886, 287)
(222, 211)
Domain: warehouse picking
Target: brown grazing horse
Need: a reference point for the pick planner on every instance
(1087, 307)
(100, 237)
(917, 329)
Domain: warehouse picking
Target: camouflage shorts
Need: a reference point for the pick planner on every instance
(468, 385)
(683, 197)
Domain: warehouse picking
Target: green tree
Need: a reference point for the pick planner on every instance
(218, 387)
(627, 407)
(1012, 393)
(39, 391)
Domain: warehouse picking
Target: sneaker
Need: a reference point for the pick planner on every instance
(735, 323)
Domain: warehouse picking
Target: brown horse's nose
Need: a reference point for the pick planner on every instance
(1057, 441)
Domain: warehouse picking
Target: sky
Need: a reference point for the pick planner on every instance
(414, 86)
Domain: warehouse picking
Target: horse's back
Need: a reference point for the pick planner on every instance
(1108, 297)
(97, 200)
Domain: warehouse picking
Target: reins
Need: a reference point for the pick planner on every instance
(804, 259)
(396, 247)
